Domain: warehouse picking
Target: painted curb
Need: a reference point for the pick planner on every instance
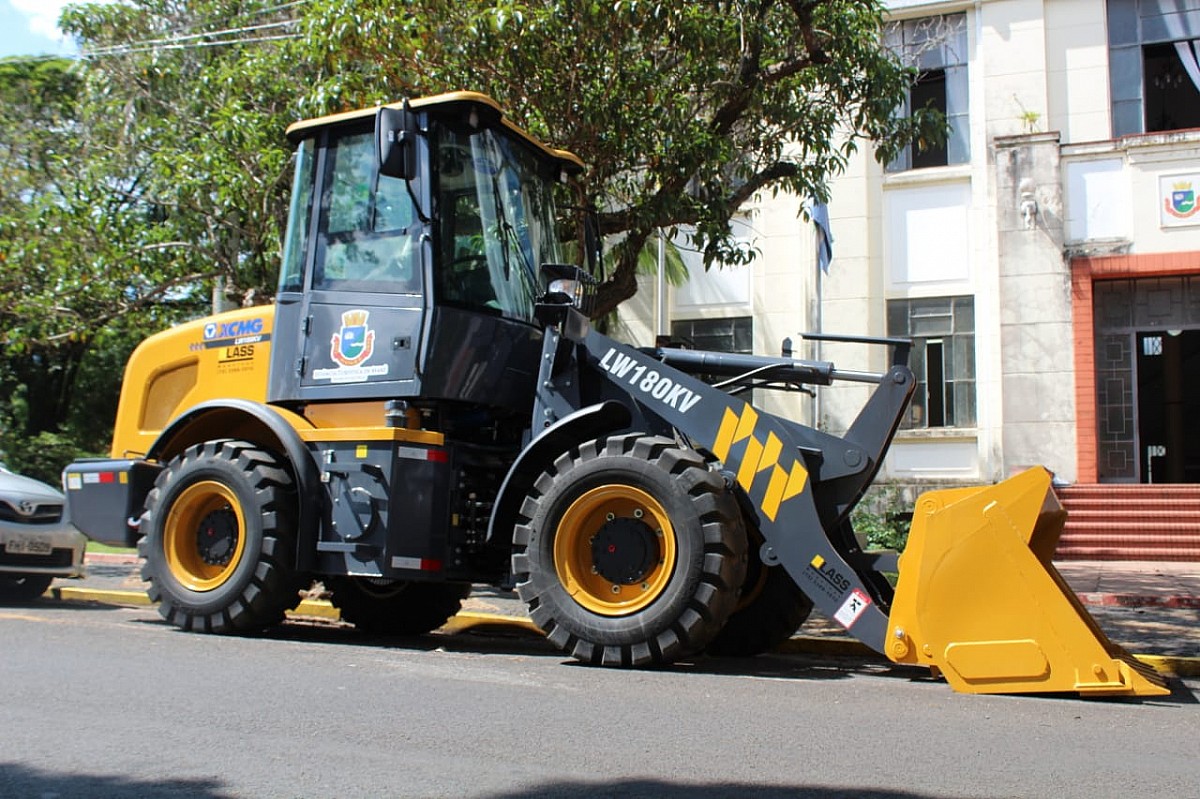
(107, 596)
(472, 620)
(1138, 600)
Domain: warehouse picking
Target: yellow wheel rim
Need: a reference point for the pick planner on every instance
(203, 511)
(590, 580)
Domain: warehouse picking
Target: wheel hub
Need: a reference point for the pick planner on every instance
(625, 550)
(216, 540)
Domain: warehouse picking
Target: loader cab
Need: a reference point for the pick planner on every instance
(412, 256)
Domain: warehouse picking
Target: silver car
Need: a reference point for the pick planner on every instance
(36, 544)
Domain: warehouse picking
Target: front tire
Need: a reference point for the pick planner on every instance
(395, 607)
(630, 552)
(219, 539)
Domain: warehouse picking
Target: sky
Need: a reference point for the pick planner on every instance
(29, 27)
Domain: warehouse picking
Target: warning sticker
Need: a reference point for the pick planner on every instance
(852, 608)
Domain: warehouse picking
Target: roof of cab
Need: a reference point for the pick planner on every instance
(297, 130)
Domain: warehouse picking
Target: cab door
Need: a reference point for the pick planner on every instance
(364, 311)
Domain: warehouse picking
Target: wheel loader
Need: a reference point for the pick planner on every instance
(426, 406)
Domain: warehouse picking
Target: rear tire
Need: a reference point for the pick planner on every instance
(219, 539)
(23, 587)
(629, 552)
(769, 611)
(395, 607)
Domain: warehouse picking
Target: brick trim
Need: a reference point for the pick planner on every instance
(1085, 271)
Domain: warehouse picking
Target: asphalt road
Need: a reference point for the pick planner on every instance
(109, 702)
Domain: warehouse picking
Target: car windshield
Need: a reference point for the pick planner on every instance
(496, 221)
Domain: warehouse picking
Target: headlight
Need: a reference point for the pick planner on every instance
(572, 288)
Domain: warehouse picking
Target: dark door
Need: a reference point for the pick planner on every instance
(1168, 406)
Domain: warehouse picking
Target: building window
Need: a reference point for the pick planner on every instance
(1154, 74)
(937, 48)
(735, 334)
(943, 358)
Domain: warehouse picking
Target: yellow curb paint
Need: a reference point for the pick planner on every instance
(109, 597)
(318, 608)
(1170, 666)
(466, 620)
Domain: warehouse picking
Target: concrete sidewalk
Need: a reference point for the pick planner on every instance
(1152, 609)
(1133, 583)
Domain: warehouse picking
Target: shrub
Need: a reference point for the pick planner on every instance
(42, 456)
(883, 518)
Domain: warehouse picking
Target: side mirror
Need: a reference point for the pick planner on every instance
(396, 142)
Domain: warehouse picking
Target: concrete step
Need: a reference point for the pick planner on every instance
(1130, 522)
(1134, 529)
(1102, 504)
(1143, 539)
(1124, 551)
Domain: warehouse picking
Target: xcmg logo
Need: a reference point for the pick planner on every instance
(242, 327)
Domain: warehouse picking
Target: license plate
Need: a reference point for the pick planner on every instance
(28, 546)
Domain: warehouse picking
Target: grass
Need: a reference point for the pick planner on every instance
(96, 546)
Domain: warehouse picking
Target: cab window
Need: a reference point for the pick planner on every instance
(366, 241)
(496, 222)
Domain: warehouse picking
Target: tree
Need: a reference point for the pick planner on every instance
(56, 231)
(683, 111)
(198, 94)
(133, 183)
(155, 168)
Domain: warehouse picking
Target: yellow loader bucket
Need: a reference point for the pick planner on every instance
(979, 601)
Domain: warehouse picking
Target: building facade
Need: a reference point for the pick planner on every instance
(1045, 260)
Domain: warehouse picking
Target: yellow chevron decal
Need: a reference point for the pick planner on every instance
(774, 495)
(796, 481)
(725, 435)
(746, 424)
(770, 453)
(783, 484)
(749, 467)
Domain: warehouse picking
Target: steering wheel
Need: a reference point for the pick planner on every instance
(463, 275)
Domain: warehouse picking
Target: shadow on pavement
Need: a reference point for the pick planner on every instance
(46, 601)
(659, 789)
(18, 780)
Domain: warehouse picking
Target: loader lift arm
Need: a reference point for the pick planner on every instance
(801, 483)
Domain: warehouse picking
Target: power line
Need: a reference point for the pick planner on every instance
(192, 45)
(247, 15)
(205, 38)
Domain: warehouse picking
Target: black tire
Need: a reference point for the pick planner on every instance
(395, 607)
(770, 609)
(23, 587)
(611, 588)
(219, 539)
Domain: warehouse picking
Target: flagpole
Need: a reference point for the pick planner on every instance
(818, 320)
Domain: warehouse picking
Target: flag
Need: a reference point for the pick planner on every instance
(820, 217)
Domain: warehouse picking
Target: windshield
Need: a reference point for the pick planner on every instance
(496, 222)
